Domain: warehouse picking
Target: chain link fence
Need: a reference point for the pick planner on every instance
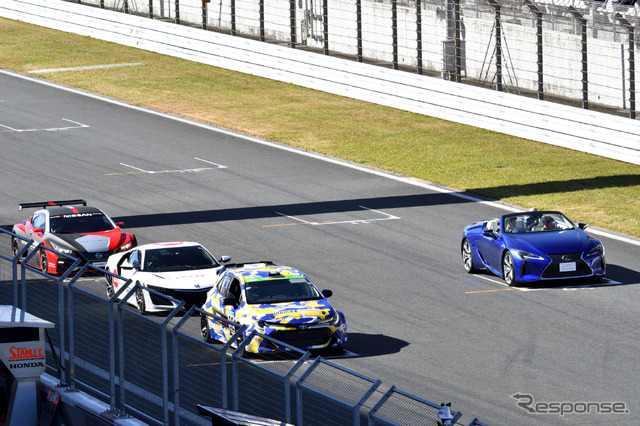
(157, 368)
(577, 52)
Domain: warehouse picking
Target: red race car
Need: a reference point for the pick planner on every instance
(71, 228)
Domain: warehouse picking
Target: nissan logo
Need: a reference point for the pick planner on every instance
(98, 255)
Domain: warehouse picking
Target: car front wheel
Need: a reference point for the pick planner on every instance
(205, 331)
(110, 289)
(14, 246)
(467, 257)
(508, 270)
(140, 303)
(44, 262)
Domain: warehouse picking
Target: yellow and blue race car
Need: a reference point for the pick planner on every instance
(275, 301)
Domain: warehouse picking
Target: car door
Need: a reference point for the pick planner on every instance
(226, 312)
(126, 265)
(490, 245)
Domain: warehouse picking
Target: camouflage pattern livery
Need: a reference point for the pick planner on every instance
(275, 301)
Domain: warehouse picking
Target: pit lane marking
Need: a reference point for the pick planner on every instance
(47, 129)
(195, 170)
(299, 221)
(606, 282)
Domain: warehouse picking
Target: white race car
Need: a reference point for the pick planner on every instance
(183, 270)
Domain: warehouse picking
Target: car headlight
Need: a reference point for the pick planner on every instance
(126, 247)
(61, 249)
(525, 255)
(334, 320)
(598, 250)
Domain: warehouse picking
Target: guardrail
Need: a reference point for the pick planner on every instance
(157, 368)
(579, 129)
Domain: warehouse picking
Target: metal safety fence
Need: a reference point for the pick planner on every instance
(578, 52)
(157, 368)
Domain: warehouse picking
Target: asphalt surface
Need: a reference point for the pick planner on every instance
(387, 246)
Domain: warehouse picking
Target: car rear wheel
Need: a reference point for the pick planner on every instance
(140, 303)
(467, 257)
(508, 271)
(205, 331)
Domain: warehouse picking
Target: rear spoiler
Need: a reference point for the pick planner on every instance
(46, 204)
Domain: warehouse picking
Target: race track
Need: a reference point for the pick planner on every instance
(387, 246)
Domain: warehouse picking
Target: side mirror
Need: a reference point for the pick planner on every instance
(327, 293)
(120, 224)
(582, 225)
(488, 233)
(38, 230)
(228, 301)
(224, 259)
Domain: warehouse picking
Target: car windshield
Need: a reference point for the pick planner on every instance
(531, 222)
(80, 223)
(178, 259)
(278, 290)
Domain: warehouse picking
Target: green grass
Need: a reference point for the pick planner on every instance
(602, 192)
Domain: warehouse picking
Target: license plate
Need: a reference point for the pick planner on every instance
(568, 267)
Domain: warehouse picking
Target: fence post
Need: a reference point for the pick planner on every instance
(632, 65)
(359, 28)
(205, 14)
(325, 26)
(164, 345)
(233, 17)
(69, 375)
(498, 41)
(457, 43)
(292, 22)
(261, 23)
(394, 33)
(419, 36)
(583, 48)
(539, 45)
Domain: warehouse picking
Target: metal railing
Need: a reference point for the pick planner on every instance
(579, 52)
(157, 368)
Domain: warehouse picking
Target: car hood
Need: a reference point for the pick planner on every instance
(292, 313)
(183, 280)
(92, 243)
(553, 242)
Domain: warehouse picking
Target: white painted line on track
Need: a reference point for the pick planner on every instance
(387, 216)
(89, 67)
(606, 282)
(49, 129)
(200, 169)
(344, 163)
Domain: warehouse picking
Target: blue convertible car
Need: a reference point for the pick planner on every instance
(532, 246)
